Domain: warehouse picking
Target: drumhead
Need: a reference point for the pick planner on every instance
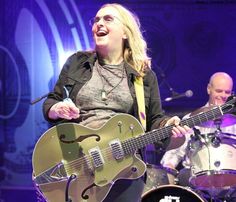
(171, 193)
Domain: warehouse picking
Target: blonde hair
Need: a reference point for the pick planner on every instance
(135, 47)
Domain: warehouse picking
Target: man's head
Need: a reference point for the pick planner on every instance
(219, 88)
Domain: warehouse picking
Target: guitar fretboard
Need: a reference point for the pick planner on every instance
(131, 145)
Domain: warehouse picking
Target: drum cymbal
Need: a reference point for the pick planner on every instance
(228, 138)
(224, 121)
(225, 138)
(228, 135)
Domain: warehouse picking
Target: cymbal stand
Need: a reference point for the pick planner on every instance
(195, 140)
(216, 140)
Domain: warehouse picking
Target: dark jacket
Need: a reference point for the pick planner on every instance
(78, 70)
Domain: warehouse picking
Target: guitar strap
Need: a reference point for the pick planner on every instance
(139, 90)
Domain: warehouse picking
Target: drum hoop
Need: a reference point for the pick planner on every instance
(169, 185)
(169, 170)
(149, 191)
(210, 173)
(214, 172)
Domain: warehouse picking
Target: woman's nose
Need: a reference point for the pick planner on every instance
(100, 22)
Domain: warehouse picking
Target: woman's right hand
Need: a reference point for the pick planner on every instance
(65, 110)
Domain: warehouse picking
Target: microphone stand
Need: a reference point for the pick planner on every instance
(164, 80)
(38, 99)
(66, 95)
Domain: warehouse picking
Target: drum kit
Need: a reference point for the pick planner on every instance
(212, 177)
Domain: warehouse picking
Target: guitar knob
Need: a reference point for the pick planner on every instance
(119, 125)
(134, 169)
(131, 127)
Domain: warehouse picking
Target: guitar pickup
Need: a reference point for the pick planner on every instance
(97, 158)
(116, 148)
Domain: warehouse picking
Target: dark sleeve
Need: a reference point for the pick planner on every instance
(154, 111)
(58, 93)
(155, 114)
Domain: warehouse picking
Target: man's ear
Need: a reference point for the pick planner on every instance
(208, 88)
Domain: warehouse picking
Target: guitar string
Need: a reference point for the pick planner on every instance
(86, 158)
(108, 151)
(85, 176)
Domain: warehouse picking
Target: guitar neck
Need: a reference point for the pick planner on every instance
(133, 144)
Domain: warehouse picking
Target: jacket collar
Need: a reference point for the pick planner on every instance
(92, 57)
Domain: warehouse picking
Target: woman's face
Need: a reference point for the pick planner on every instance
(108, 30)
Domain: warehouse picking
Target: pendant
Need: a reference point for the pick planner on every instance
(104, 95)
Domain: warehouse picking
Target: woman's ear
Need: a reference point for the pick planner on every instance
(124, 36)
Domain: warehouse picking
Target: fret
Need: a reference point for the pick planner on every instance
(131, 145)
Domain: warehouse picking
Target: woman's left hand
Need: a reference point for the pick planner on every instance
(177, 130)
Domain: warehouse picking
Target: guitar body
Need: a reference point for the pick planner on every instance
(67, 149)
(99, 157)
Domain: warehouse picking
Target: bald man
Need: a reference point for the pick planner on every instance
(219, 89)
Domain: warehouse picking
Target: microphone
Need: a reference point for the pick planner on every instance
(188, 93)
(38, 99)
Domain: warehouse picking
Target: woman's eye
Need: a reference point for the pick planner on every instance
(96, 19)
(108, 18)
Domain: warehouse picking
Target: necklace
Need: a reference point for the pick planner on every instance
(104, 93)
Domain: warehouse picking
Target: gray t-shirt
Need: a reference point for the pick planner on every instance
(104, 95)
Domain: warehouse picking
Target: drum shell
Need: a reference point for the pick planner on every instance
(213, 166)
(171, 193)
